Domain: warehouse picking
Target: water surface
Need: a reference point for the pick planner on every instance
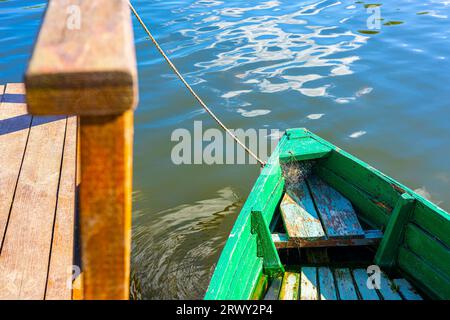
(380, 94)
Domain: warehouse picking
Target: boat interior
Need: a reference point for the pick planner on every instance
(340, 224)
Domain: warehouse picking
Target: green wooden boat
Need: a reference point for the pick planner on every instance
(322, 224)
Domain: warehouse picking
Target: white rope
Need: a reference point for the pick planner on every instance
(262, 163)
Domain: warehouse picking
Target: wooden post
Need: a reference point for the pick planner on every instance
(84, 63)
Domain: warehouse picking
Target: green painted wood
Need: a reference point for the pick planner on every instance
(290, 286)
(407, 290)
(344, 284)
(433, 219)
(363, 176)
(261, 287)
(266, 247)
(253, 276)
(326, 284)
(299, 214)
(360, 276)
(274, 289)
(231, 255)
(393, 235)
(424, 275)
(374, 215)
(428, 248)
(308, 284)
(388, 290)
(268, 203)
(336, 212)
(241, 274)
(308, 149)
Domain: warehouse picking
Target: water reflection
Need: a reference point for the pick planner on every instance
(174, 250)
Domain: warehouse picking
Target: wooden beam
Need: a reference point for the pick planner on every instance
(371, 237)
(84, 64)
(84, 61)
(388, 250)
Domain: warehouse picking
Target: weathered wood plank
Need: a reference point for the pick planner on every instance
(336, 212)
(344, 284)
(25, 254)
(14, 128)
(290, 286)
(428, 248)
(388, 249)
(434, 283)
(261, 287)
(274, 289)
(85, 68)
(371, 237)
(299, 214)
(361, 277)
(326, 284)
(308, 284)
(388, 289)
(304, 149)
(61, 256)
(407, 290)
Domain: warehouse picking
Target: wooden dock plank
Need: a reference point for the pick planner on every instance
(345, 285)
(336, 212)
(26, 248)
(299, 214)
(61, 258)
(308, 284)
(274, 289)
(14, 128)
(371, 237)
(326, 284)
(289, 287)
(387, 288)
(361, 276)
(407, 290)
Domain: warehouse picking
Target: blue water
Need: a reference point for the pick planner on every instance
(267, 64)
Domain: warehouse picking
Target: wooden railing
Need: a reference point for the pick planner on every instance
(84, 64)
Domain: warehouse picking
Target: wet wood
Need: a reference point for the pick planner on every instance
(371, 237)
(345, 285)
(308, 284)
(299, 214)
(326, 284)
(290, 286)
(60, 269)
(82, 62)
(336, 212)
(407, 290)
(361, 277)
(14, 128)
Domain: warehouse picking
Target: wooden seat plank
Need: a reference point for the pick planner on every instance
(407, 290)
(336, 212)
(360, 276)
(25, 253)
(274, 289)
(326, 284)
(371, 237)
(61, 257)
(388, 289)
(308, 283)
(345, 285)
(299, 214)
(289, 287)
(14, 128)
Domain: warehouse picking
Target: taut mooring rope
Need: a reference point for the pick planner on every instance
(196, 96)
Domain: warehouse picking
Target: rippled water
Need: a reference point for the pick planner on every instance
(267, 64)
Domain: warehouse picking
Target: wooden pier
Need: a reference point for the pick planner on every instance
(38, 160)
